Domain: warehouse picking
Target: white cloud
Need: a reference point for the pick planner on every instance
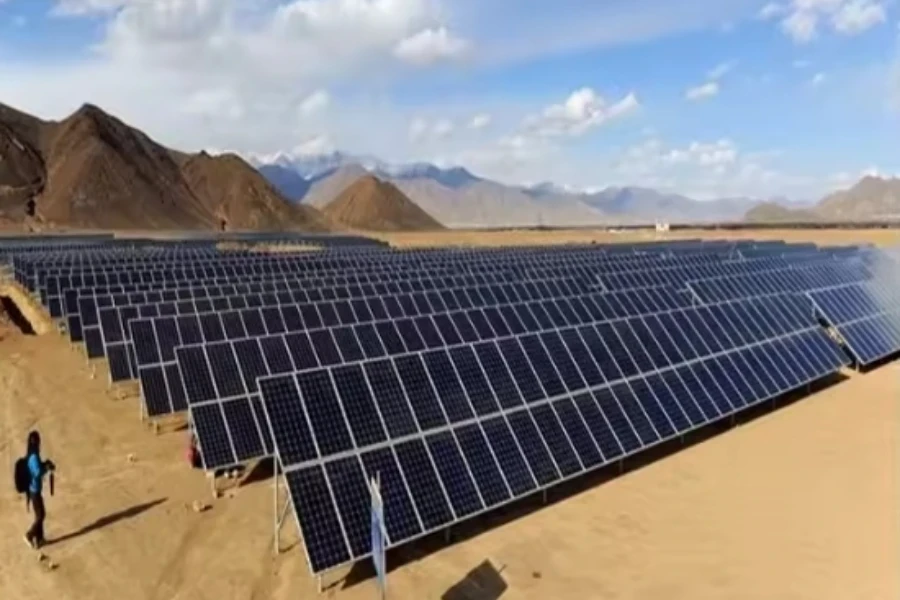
(443, 128)
(702, 92)
(721, 70)
(86, 7)
(802, 18)
(857, 16)
(430, 46)
(480, 121)
(316, 102)
(582, 111)
(771, 10)
(421, 129)
(818, 79)
(214, 104)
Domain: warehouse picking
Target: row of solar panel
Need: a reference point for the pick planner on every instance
(541, 365)
(330, 346)
(444, 290)
(797, 279)
(434, 480)
(280, 312)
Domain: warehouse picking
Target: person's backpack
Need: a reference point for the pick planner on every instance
(22, 475)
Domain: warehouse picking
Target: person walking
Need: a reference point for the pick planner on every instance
(37, 469)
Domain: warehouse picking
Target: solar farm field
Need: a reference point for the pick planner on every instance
(584, 415)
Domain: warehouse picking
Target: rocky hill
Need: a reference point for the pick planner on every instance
(91, 170)
(375, 205)
(871, 199)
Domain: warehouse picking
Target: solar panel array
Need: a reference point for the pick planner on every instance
(463, 378)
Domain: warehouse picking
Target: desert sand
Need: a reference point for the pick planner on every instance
(800, 502)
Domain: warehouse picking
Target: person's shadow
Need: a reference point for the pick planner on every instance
(108, 520)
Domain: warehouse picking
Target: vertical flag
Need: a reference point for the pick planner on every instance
(378, 535)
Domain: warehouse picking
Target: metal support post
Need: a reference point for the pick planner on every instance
(275, 513)
(544, 495)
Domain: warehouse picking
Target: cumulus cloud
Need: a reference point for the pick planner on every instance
(702, 92)
(801, 20)
(421, 129)
(314, 103)
(430, 46)
(582, 111)
(479, 121)
(818, 79)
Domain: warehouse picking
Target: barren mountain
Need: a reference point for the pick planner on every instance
(238, 198)
(372, 204)
(93, 170)
(772, 212)
(870, 198)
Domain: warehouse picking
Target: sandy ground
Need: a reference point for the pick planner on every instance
(800, 503)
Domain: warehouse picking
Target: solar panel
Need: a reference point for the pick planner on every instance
(866, 315)
(468, 430)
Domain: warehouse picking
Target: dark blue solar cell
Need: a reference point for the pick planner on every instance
(744, 391)
(349, 346)
(326, 350)
(369, 340)
(474, 380)
(698, 392)
(447, 329)
(251, 361)
(311, 317)
(498, 375)
(390, 398)
(509, 456)
(559, 355)
(496, 321)
(578, 433)
(350, 491)
(600, 351)
(391, 339)
(329, 314)
(324, 410)
(419, 391)
(449, 388)
(428, 332)
(274, 322)
(483, 465)
(533, 447)
(617, 419)
(543, 366)
(168, 338)
(243, 429)
(154, 391)
(189, 328)
(359, 405)
(424, 485)
(521, 370)
(557, 440)
(225, 371)
(212, 434)
(654, 411)
(293, 321)
(233, 325)
(600, 429)
(411, 338)
(345, 312)
(582, 357)
(669, 403)
(512, 319)
(454, 473)
(302, 352)
(322, 533)
(276, 354)
(196, 373)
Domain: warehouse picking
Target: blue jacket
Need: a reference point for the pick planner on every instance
(37, 470)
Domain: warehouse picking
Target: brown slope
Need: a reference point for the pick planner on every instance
(102, 173)
(372, 204)
(240, 198)
(772, 212)
(870, 198)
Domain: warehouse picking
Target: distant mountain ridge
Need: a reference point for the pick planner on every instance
(458, 198)
(375, 205)
(871, 198)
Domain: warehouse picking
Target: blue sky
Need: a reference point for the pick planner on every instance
(705, 97)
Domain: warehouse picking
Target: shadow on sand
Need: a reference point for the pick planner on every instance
(102, 522)
(484, 582)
